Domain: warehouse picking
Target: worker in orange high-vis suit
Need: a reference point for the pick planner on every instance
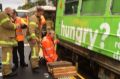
(48, 46)
(34, 38)
(20, 39)
(7, 40)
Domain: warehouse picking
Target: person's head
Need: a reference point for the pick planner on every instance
(8, 11)
(15, 14)
(52, 34)
(39, 11)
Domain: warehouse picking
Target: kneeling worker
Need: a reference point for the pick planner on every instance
(48, 46)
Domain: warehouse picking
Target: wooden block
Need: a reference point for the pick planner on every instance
(52, 65)
(63, 74)
(59, 64)
(64, 71)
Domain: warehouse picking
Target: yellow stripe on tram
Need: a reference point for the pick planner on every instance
(81, 77)
(72, 77)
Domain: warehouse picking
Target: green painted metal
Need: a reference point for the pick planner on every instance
(95, 25)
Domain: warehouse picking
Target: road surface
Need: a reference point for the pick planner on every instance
(26, 73)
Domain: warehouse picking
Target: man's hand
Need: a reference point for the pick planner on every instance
(33, 41)
(56, 41)
(37, 39)
(18, 26)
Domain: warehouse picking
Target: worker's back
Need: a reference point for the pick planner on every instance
(33, 25)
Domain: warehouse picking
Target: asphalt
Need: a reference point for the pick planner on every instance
(26, 73)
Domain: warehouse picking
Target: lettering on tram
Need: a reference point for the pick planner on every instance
(91, 27)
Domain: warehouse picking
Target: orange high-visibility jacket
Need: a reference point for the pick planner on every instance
(19, 34)
(49, 49)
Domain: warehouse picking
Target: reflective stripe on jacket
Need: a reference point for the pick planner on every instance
(34, 31)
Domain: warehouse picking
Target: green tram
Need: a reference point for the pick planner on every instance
(91, 29)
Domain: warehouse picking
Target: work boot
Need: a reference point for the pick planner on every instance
(14, 68)
(12, 74)
(24, 65)
(35, 70)
(7, 71)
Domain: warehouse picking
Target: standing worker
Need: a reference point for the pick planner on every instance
(43, 20)
(43, 23)
(34, 37)
(20, 39)
(7, 40)
(48, 45)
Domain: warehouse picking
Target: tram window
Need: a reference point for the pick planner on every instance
(71, 7)
(93, 7)
(115, 9)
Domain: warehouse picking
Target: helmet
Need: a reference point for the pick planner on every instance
(38, 8)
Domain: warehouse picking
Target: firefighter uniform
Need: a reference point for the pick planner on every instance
(49, 51)
(34, 37)
(7, 40)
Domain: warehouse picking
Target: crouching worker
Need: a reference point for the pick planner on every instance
(34, 37)
(48, 46)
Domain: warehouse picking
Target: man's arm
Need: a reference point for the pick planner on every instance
(7, 23)
(24, 24)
